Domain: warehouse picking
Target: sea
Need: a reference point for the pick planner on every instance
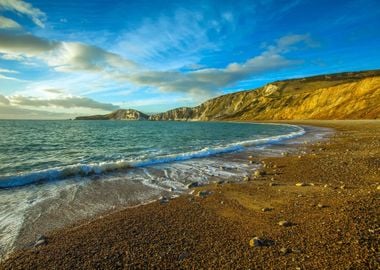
(56, 173)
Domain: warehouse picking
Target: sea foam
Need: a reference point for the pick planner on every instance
(82, 170)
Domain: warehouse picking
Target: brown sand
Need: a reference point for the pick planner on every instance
(214, 232)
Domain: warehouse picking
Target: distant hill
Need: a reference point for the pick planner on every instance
(117, 115)
(349, 95)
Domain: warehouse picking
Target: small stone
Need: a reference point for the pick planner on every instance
(260, 242)
(41, 240)
(273, 184)
(301, 184)
(285, 251)
(326, 186)
(285, 223)
(193, 185)
(267, 209)
(321, 205)
(204, 193)
(378, 187)
(246, 178)
(259, 173)
(251, 162)
(250, 157)
(343, 187)
(256, 242)
(164, 199)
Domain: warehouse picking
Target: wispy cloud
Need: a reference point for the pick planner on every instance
(24, 8)
(66, 102)
(174, 39)
(7, 23)
(208, 81)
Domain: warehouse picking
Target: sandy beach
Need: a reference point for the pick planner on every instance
(318, 210)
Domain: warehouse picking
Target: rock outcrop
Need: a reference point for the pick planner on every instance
(350, 95)
(117, 115)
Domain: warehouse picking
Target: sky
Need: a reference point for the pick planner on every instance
(61, 59)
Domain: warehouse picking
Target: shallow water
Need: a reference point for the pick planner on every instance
(113, 164)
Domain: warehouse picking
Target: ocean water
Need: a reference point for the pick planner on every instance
(54, 173)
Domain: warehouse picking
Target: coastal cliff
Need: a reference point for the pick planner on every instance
(117, 115)
(351, 95)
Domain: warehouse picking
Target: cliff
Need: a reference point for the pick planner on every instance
(350, 95)
(117, 115)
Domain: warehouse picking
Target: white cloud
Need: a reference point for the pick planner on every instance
(4, 100)
(12, 112)
(4, 70)
(62, 56)
(24, 8)
(65, 102)
(208, 81)
(6, 23)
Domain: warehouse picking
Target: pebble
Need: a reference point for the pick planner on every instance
(41, 240)
(273, 184)
(301, 184)
(259, 242)
(378, 188)
(204, 193)
(259, 173)
(266, 209)
(285, 250)
(246, 178)
(193, 185)
(285, 223)
(164, 199)
(256, 242)
(321, 205)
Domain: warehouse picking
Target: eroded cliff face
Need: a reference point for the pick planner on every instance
(117, 115)
(340, 96)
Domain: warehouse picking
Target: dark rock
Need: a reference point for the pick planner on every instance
(193, 185)
(260, 242)
(204, 193)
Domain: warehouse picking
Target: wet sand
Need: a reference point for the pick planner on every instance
(334, 218)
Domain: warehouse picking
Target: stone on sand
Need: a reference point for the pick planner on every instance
(301, 184)
(285, 223)
(193, 185)
(41, 240)
(204, 193)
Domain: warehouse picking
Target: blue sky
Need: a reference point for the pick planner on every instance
(59, 59)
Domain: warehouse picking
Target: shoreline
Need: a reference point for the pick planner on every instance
(220, 220)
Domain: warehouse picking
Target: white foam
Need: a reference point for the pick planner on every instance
(103, 167)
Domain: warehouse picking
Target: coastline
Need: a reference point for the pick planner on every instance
(214, 231)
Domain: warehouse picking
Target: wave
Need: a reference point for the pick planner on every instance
(83, 170)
